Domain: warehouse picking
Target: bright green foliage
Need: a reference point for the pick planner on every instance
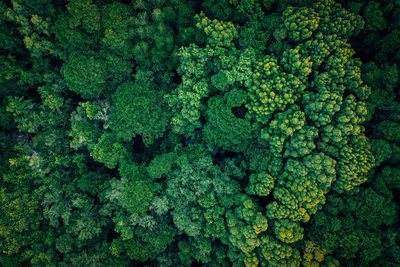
(97, 111)
(348, 119)
(283, 126)
(161, 165)
(218, 33)
(355, 162)
(350, 75)
(33, 22)
(20, 216)
(301, 142)
(136, 110)
(260, 223)
(323, 105)
(300, 188)
(272, 90)
(85, 74)
(300, 22)
(24, 113)
(82, 131)
(288, 231)
(322, 167)
(299, 193)
(142, 233)
(319, 48)
(296, 64)
(334, 19)
(260, 184)
(135, 189)
(108, 150)
(186, 98)
(313, 255)
(276, 253)
(246, 225)
(199, 193)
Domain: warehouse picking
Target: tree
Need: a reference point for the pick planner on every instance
(138, 110)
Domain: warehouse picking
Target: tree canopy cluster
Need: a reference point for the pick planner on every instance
(199, 133)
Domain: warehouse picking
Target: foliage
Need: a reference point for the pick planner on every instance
(185, 133)
(136, 110)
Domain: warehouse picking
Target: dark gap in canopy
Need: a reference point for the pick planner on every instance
(239, 112)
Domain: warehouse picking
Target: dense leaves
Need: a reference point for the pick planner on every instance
(216, 132)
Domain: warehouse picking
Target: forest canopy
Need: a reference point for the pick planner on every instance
(199, 133)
